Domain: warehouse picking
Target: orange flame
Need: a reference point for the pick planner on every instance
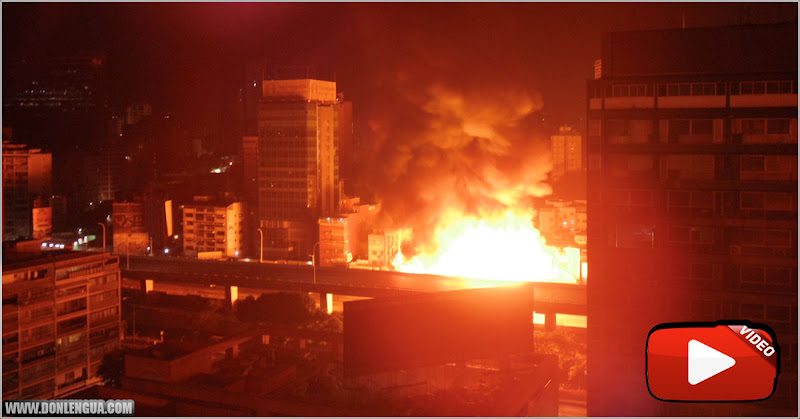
(502, 246)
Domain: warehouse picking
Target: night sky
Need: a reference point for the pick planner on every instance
(186, 58)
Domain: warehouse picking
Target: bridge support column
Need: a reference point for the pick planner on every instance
(231, 295)
(145, 285)
(549, 322)
(326, 302)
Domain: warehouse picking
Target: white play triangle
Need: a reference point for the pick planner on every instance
(706, 362)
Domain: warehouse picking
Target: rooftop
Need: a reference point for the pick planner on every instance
(14, 259)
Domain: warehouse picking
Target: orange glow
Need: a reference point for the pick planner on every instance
(502, 245)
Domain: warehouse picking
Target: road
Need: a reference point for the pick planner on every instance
(562, 298)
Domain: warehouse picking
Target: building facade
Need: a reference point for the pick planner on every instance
(129, 232)
(692, 205)
(61, 315)
(27, 175)
(567, 151)
(213, 227)
(298, 164)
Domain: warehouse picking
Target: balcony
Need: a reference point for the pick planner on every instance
(675, 102)
(764, 100)
(641, 102)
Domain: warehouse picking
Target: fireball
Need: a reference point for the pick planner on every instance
(501, 245)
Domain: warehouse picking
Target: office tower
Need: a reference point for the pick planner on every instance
(210, 226)
(692, 205)
(298, 164)
(61, 315)
(27, 175)
(345, 123)
(567, 152)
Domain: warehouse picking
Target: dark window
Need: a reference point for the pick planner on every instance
(678, 127)
(778, 276)
(673, 90)
(752, 311)
(752, 274)
(777, 126)
(702, 127)
(617, 127)
(752, 200)
(753, 126)
(752, 163)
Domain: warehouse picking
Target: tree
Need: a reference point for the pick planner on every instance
(571, 352)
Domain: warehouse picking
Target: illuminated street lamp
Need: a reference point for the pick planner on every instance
(314, 260)
(261, 246)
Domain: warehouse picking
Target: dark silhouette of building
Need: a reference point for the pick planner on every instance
(59, 103)
(692, 205)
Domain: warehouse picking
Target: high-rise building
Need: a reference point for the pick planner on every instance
(692, 205)
(74, 83)
(210, 226)
(27, 175)
(61, 315)
(298, 163)
(345, 123)
(565, 147)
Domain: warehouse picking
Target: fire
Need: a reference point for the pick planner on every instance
(503, 245)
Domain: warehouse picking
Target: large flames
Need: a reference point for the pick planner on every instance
(502, 245)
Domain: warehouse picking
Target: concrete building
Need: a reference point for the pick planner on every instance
(61, 315)
(27, 175)
(345, 124)
(334, 240)
(128, 229)
(383, 247)
(567, 151)
(560, 221)
(213, 226)
(298, 163)
(344, 238)
(692, 206)
(250, 193)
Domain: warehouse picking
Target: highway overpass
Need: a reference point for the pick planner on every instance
(550, 298)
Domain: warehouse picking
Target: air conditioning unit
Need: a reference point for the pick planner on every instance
(736, 249)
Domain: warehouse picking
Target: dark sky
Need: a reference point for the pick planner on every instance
(185, 57)
(448, 97)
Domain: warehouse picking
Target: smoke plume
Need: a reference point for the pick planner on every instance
(455, 125)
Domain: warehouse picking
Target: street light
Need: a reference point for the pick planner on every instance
(261, 246)
(314, 260)
(104, 235)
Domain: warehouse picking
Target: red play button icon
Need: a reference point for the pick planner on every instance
(722, 361)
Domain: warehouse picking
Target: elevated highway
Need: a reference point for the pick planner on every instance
(549, 298)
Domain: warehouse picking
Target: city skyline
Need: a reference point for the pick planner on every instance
(401, 209)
